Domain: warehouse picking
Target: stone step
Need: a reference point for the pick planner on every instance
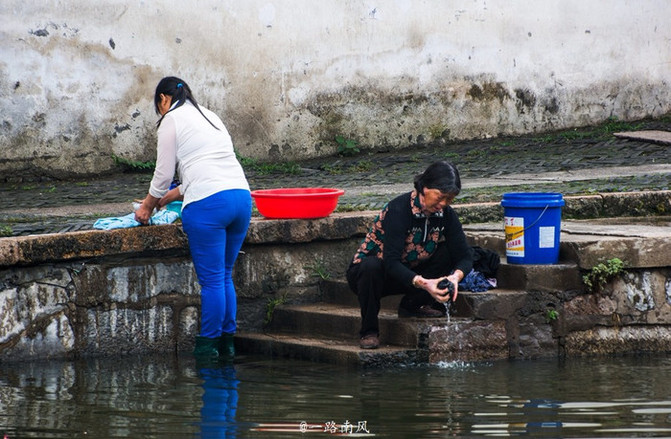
(467, 340)
(438, 340)
(495, 303)
(340, 352)
(339, 322)
(548, 278)
(342, 322)
(555, 277)
(328, 332)
(337, 291)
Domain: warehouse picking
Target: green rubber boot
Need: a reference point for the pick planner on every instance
(206, 348)
(226, 347)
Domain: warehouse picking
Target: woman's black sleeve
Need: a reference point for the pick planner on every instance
(396, 225)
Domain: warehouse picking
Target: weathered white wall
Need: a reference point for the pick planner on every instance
(77, 76)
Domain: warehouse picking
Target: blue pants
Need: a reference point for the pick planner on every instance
(216, 227)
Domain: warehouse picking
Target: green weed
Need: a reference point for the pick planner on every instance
(346, 147)
(599, 132)
(333, 169)
(267, 168)
(319, 269)
(551, 315)
(597, 278)
(288, 168)
(547, 138)
(348, 208)
(613, 125)
(133, 165)
(364, 166)
(271, 305)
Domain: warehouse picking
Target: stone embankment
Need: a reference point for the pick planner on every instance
(133, 291)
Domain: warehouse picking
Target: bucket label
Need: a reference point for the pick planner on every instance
(514, 230)
(546, 237)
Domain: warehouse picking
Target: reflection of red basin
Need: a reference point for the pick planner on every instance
(306, 202)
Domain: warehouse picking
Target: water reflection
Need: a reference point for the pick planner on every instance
(170, 397)
(220, 401)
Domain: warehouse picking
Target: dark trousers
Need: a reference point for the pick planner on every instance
(369, 281)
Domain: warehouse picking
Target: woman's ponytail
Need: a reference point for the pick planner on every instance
(180, 92)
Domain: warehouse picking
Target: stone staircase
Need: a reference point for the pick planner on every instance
(506, 322)
(327, 331)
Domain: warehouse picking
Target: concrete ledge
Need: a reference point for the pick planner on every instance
(619, 340)
(640, 242)
(606, 205)
(27, 250)
(336, 226)
(618, 204)
(36, 249)
(31, 250)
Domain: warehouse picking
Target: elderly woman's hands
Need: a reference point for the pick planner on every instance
(439, 294)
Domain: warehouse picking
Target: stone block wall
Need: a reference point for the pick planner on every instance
(134, 290)
(632, 314)
(97, 308)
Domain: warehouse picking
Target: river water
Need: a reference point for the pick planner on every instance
(172, 397)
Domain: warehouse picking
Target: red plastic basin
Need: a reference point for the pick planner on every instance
(294, 203)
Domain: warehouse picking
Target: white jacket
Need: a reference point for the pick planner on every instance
(204, 156)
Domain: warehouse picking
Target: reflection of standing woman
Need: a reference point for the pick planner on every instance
(216, 209)
(220, 402)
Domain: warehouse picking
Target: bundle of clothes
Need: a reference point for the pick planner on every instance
(483, 275)
(163, 216)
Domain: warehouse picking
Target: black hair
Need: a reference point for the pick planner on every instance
(441, 175)
(179, 91)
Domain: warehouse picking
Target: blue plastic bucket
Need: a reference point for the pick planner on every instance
(532, 222)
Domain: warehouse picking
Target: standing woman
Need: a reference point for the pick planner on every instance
(216, 210)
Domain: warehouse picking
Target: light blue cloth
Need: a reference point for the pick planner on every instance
(124, 222)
